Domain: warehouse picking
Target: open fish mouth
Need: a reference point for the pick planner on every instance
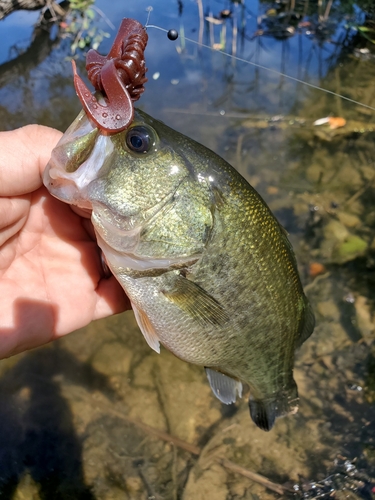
(61, 188)
(71, 168)
(66, 191)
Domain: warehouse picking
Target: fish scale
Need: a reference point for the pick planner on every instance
(208, 269)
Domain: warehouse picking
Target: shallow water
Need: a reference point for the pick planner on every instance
(72, 412)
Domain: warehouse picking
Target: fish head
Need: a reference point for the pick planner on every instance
(126, 180)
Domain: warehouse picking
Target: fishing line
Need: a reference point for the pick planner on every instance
(265, 68)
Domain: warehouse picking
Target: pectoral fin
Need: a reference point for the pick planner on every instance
(196, 302)
(147, 329)
(225, 388)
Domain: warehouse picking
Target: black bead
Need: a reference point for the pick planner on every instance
(172, 34)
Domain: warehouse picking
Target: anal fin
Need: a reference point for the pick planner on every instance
(147, 329)
(224, 387)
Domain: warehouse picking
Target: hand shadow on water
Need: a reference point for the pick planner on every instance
(37, 433)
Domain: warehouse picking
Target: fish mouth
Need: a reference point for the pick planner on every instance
(64, 188)
(71, 186)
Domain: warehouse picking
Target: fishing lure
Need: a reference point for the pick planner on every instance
(119, 77)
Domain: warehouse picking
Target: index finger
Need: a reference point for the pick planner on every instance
(24, 153)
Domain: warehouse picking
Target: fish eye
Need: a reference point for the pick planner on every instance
(140, 139)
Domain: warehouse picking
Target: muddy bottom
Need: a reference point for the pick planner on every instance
(99, 415)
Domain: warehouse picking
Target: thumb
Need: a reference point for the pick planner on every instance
(24, 153)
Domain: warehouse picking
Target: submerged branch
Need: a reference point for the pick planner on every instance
(194, 450)
(39, 49)
(8, 6)
(254, 476)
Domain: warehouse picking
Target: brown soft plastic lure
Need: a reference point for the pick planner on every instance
(119, 77)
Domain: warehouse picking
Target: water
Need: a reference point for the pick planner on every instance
(70, 411)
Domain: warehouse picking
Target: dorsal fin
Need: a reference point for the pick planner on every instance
(307, 325)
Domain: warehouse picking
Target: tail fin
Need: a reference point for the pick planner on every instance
(265, 411)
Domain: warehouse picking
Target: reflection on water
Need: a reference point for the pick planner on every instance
(70, 412)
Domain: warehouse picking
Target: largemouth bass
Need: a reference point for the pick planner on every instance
(208, 269)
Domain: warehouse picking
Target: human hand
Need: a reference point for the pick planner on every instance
(51, 277)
